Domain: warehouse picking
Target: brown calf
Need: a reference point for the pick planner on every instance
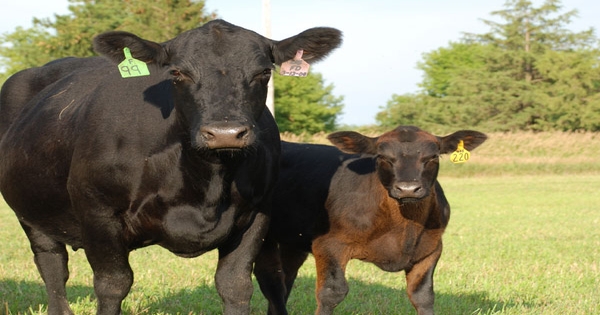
(379, 202)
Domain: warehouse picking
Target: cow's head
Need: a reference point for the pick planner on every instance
(407, 157)
(218, 74)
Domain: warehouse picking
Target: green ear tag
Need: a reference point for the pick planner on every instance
(131, 67)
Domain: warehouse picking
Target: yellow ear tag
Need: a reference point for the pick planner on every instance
(131, 67)
(461, 155)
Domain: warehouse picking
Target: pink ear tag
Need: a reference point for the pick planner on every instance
(295, 67)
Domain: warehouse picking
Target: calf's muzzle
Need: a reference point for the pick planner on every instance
(407, 190)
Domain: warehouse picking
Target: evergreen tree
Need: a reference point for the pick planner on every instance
(305, 105)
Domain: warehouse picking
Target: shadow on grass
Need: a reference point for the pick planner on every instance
(370, 298)
(23, 297)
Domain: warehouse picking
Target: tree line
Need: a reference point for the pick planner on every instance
(529, 72)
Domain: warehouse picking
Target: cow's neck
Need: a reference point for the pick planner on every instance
(419, 211)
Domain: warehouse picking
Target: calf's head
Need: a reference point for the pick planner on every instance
(407, 158)
(217, 74)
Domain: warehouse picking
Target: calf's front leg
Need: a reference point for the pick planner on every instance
(332, 287)
(419, 283)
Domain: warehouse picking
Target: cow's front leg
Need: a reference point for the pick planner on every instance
(419, 283)
(233, 278)
(108, 256)
(51, 259)
(332, 287)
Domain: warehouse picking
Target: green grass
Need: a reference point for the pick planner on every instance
(515, 245)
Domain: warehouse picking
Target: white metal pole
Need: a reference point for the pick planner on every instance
(266, 4)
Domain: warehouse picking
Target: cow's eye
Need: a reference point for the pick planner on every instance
(179, 76)
(431, 158)
(264, 76)
(175, 73)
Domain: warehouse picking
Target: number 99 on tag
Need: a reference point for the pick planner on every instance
(130, 71)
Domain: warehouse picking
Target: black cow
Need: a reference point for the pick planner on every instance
(185, 157)
(381, 203)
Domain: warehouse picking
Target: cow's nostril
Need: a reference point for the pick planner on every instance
(243, 134)
(208, 135)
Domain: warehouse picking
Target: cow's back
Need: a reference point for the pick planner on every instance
(23, 86)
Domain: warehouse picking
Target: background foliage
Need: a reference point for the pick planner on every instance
(529, 72)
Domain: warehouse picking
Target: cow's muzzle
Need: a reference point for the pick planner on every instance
(226, 135)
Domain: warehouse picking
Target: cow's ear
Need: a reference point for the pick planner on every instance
(316, 42)
(353, 142)
(471, 140)
(111, 44)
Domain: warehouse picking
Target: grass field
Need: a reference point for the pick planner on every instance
(521, 240)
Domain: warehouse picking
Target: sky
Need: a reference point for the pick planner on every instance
(383, 39)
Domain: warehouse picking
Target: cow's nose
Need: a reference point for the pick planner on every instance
(226, 135)
(408, 190)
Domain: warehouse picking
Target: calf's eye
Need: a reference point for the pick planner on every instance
(385, 159)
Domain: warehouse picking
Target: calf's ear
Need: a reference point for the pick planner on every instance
(353, 142)
(316, 42)
(471, 140)
(111, 44)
